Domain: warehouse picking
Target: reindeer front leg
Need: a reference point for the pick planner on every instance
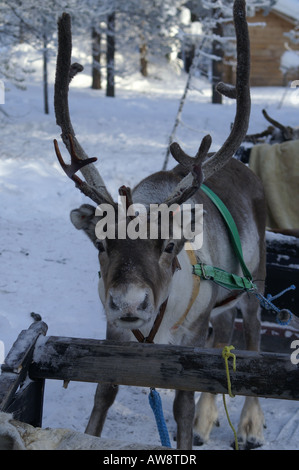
(206, 409)
(104, 398)
(252, 421)
(183, 410)
(105, 393)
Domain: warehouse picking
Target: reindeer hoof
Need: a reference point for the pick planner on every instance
(247, 445)
(197, 440)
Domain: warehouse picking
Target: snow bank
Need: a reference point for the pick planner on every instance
(15, 435)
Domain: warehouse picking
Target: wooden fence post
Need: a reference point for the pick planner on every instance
(18, 394)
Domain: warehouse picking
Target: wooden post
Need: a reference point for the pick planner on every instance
(27, 403)
(165, 366)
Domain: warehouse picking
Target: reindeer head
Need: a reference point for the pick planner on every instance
(136, 274)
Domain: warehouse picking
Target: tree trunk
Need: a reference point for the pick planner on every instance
(217, 65)
(45, 75)
(96, 60)
(110, 54)
(143, 60)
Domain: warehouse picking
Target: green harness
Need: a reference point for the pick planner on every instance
(221, 277)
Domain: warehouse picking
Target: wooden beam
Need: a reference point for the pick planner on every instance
(164, 366)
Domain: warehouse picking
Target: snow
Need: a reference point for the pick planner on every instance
(288, 61)
(289, 8)
(49, 268)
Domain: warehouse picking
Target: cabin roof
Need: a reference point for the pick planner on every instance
(289, 9)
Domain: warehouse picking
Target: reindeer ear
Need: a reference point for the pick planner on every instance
(171, 249)
(82, 216)
(84, 219)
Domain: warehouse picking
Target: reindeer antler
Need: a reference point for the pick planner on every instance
(191, 183)
(64, 74)
(241, 92)
(200, 167)
(287, 131)
(76, 165)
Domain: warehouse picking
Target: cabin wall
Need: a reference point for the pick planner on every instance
(267, 46)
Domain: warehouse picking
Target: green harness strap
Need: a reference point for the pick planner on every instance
(221, 277)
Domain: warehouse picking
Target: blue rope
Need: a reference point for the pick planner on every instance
(273, 297)
(156, 405)
(284, 316)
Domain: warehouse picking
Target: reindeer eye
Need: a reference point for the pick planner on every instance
(100, 246)
(112, 304)
(169, 248)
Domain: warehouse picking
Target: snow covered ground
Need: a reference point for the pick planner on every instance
(48, 267)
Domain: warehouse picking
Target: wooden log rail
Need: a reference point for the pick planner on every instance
(262, 374)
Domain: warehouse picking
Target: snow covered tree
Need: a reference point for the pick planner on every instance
(148, 27)
(126, 27)
(91, 15)
(37, 22)
(140, 25)
(293, 34)
(12, 70)
(289, 61)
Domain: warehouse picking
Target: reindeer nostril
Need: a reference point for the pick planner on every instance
(144, 304)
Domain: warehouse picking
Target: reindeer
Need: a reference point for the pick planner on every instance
(143, 292)
(274, 134)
